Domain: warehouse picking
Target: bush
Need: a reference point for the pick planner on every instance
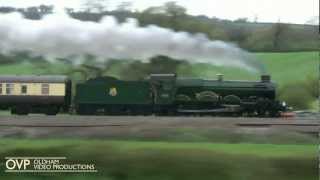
(312, 86)
(296, 95)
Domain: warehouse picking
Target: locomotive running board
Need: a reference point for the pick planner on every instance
(220, 110)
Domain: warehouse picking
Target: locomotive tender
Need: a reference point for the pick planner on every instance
(159, 94)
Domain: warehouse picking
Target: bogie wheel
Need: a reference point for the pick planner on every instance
(52, 111)
(22, 110)
(13, 110)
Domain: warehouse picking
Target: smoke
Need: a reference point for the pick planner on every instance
(60, 36)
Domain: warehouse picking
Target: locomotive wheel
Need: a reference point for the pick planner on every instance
(13, 110)
(232, 99)
(261, 113)
(207, 96)
(262, 107)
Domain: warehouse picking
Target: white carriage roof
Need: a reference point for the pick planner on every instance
(34, 78)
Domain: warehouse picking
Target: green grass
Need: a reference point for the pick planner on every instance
(283, 67)
(140, 160)
(291, 67)
(31, 69)
(316, 106)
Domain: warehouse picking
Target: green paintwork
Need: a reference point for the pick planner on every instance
(109, 91)
(159, 94)
(164, 86)
(242, 89)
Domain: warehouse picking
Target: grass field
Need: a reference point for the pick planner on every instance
(283, 67)
(139, 160)
(291, 67)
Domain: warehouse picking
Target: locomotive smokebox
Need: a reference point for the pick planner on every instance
(265, 78)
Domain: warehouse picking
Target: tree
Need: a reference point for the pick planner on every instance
(238, 34)
(241, 20)
(174, 10)
(168, 15)
(44, 9)
(154, 10)
(32, 12)
(124, 6)
(273, 38)
(69, 10)
(7, 9)
(33, 9)
(278, 30)
(163, 64)
(95, 5)
(170, 8)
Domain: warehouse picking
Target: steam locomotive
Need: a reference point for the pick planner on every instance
(158, 94)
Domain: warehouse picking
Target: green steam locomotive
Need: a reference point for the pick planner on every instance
(159, 94)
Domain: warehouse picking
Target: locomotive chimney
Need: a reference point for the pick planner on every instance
(220, 77)
(265, 78)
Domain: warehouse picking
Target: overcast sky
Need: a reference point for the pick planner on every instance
(289, 11)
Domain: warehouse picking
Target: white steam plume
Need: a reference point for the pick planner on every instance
(60, 36)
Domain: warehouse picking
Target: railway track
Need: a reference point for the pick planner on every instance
(299, 124)
(101, 121)
(302, 127)
(122, 125)
(241, 124)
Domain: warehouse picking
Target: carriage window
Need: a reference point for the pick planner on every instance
(23, 89)
(0, 88)
(45, 89)
(9, 89)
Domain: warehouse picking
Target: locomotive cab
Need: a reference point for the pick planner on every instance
(164, 89)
